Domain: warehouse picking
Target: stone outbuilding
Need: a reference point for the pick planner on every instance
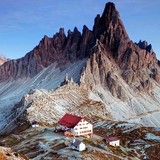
(113, 141)
(78, 145)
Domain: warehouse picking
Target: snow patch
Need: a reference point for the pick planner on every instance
(151, 136)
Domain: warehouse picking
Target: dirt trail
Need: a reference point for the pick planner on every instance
(143, 114)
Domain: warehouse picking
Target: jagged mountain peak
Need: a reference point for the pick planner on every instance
(76, 29)
(62, 49)
(110, 14)
(110, 19)
(104, 62)
(145, 45)
(110, 30)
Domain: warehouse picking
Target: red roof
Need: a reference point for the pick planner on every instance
(111, 139)
(69, 120)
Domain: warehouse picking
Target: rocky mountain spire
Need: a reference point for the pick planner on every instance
(136, 65)
(60, 49)
(144, 45)
(111, 31)
(106, 63)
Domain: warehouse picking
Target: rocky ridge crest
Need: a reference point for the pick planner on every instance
(136, 62)
(61, 49)
(118, 71)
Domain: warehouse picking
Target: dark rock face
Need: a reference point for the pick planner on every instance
(137, 62)
(111, 32)
(144, 45)
(101, 70)
(106, 47)
(141, 65)
(60, 49)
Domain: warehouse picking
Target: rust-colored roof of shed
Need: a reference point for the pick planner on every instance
(111, 139)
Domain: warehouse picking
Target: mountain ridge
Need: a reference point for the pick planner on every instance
(120, 74)
(108, 29)
(59, 49)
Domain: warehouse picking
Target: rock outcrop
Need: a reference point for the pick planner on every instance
(60, 49)
(110, 30)
(144, 45)
(3, 60)
(114, 69)
(116, 53)
(49, 106)
(9, 154)
(137, 62)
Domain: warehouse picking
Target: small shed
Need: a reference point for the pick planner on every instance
(113, 141)
(34, 123)
(78, 145)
